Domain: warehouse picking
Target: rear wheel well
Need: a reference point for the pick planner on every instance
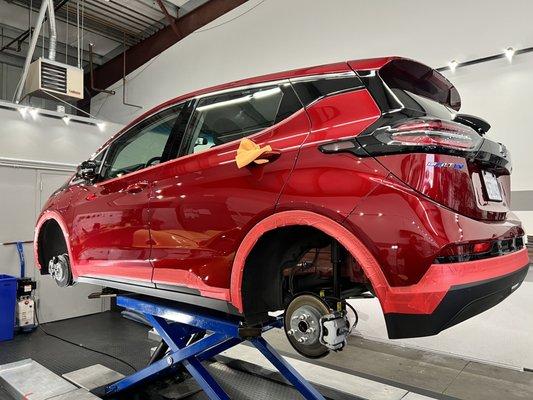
(278, 256)
(51, 242)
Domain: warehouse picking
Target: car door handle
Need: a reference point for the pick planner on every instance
(137, 187)
(271, 155)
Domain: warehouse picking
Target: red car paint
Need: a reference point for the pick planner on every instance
(192, 221)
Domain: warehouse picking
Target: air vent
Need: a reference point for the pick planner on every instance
(53, 77)
(47, 78)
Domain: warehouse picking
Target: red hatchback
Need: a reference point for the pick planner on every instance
(320, 184)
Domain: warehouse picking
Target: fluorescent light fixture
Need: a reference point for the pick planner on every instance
(453, 65)
(509, 53)
(34, 112)
(100, 125)
(66, 119)
(23, 111)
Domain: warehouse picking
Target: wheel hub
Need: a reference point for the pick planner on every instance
(56, 269)
(302, 325)
(59, 269)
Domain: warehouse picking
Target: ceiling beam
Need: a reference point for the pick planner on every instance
(8, 33)
(23, 36)
(171, 20)
(111, 72)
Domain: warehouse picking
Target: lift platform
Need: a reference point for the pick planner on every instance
(194, 335)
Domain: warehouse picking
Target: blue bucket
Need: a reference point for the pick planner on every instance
(8, 301)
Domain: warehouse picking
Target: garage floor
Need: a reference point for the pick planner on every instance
(419, 371)
(109, 332)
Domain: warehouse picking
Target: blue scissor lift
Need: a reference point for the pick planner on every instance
(177, 323)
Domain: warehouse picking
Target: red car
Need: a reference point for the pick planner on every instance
(345, 180)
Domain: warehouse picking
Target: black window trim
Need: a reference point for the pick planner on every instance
(186, 105)
(175, 141)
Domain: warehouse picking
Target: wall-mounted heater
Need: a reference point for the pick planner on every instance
(61, 80)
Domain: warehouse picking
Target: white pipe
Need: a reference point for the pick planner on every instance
(36, 164)
(78, 31)
(35, 167)
(31, 50)
(53, 31)
(39, 162)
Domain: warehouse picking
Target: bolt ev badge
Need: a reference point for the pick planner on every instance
(436, 164)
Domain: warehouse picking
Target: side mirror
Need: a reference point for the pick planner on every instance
(87, 170)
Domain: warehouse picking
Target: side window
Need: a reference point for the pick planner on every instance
(311, 90)
(142, 146)
(232, 116)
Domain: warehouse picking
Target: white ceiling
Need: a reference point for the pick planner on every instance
(17, 17)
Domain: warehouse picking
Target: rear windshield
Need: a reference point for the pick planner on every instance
(421, 80)
(429, 107)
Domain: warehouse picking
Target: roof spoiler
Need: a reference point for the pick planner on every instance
(414, 77)
(478, 124)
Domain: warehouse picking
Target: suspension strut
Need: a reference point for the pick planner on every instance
(336, 261)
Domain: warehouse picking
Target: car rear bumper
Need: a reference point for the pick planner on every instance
(497, 278)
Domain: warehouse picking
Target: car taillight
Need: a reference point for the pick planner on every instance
(415, 135)
(432, 133)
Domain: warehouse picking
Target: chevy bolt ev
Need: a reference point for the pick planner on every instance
(297, 191)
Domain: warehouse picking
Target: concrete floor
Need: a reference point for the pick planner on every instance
(506, 329)
(432, 374)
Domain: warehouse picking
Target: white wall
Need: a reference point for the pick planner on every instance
(274, 35)
(24, 191)
(49, 139)
(502, 93)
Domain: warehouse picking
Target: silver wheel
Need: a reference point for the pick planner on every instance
(59, 269)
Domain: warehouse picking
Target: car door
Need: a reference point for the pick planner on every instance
(203, 203)
(110, 224)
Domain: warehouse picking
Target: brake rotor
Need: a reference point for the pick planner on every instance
(302, 325)
(59, 269)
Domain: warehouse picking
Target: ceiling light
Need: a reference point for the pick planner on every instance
(34, 112)
(100, 125)
(509, 53)
(23, 111)
(453, 65)
(66, 119)
(225, 103)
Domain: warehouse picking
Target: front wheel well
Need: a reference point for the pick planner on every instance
(51, 243)
(285, 252)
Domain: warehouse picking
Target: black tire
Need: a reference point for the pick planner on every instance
(59, 268)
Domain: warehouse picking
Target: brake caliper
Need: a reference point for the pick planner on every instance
(334, 330)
